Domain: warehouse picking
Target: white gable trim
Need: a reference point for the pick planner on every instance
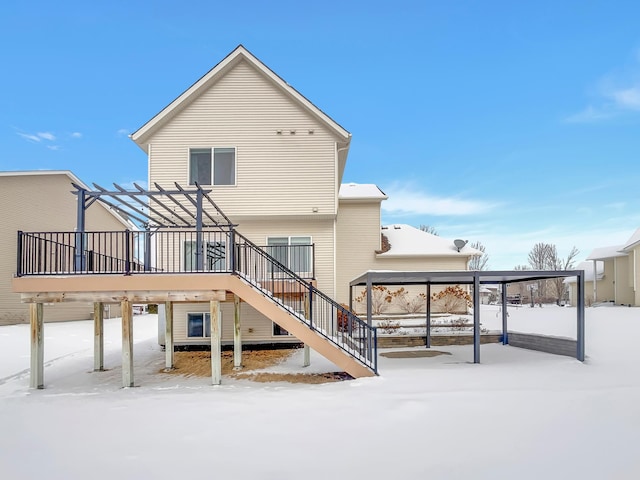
(212, 76)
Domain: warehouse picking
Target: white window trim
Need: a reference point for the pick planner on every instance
(204, 328)
(289, 237)
(235, 169)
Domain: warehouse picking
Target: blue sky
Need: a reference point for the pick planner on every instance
(507, 122)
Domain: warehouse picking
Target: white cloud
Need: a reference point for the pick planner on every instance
(53, 147)
(47, 136)
(626, 98)
(410, 202)
(129, 185)
(123, 132)
(76, 135)
(30, 137)
(589, 115)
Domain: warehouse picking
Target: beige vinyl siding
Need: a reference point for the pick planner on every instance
(255, 327)
(357, 239)
(624, 291)
(40, 202)
(286, 174)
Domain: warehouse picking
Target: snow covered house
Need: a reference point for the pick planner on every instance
(41, 201)
(254, 239)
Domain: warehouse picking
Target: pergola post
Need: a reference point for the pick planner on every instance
(79, 261)
(580, 313)
(168, 336)
(237, 334)
(476, 318)
(37, 345)
(216, 347)
(427, 341)
(98, 337)
(369, 317)
(505, 314)
(127, 343)
(199, 242)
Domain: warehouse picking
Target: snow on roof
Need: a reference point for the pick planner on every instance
(633, 241)
(606, 252)
(360, 191)
(406, 240)
(587, 266)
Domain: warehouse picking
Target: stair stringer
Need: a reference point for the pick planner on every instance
(276, 313)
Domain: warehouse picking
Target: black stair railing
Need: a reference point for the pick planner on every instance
(321, 313)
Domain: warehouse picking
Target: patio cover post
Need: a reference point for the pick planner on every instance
(580, 309)
(168, 336)
(595, 281)
(369, 316)
(306, 358)
(505, 334)
(37, 346)
(427, 341)
(476, 317)
(127, 343)
(98, 337)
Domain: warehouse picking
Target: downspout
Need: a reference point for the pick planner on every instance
(595, 280)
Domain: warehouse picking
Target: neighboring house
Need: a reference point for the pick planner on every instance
(42, 201)
(274, 162)
(617, 273)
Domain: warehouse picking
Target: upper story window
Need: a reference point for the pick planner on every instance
(212, 166)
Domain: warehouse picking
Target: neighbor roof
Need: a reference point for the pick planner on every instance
(212, 76)
(606, 252)
(633, 241)
(361, 191)
(588, 272)
(407, 241)
(74, 179)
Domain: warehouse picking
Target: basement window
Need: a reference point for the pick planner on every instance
(198, 325)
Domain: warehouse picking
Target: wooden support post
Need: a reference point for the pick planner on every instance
(306, 360)
(98, 337)
(37, 345)
(307, 356)
(127, 343)
(216, 348)
(237, 334)
(168, 335)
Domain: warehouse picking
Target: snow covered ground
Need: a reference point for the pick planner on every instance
(520, 414)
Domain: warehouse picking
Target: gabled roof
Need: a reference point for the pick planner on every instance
(606, 252)
(408, 241)
(361, 191)
(633, 241)
(588, 272)
(212, 76)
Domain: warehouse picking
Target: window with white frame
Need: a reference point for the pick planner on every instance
(212, 166)
(279, 331)
(214, 256)
(198, 325)
(295, 253)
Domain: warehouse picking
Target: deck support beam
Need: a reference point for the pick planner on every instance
(427, 340)
(127, 343)
(168, 336)
(237, 334)
(37, 345)
(98, 337)
(216, 346)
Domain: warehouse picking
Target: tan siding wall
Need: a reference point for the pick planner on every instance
(358, 238)
(624, 291)
(606, 285)
(40, 203)
(255, 327)
(276, 174)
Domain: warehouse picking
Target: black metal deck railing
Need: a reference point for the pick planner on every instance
(280, 271)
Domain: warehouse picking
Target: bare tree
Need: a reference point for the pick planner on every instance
(544, 256)
(429, 229)
(479, 262)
